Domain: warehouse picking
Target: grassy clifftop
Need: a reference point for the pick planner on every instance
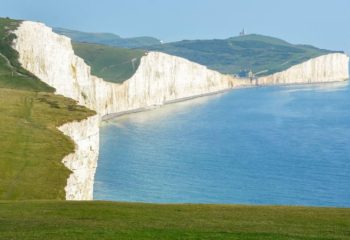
(264, 55)
(108, 39)
(31, 147)
(110, 63)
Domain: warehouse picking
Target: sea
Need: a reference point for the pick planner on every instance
(285, 145)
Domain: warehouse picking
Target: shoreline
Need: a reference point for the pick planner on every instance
(143, 109)
(111, 116)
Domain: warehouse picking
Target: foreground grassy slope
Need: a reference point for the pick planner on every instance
(106, 220)
(110, 63)
(31, 147)
(108, 39)
(262, 54)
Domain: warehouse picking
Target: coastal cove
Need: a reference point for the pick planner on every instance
(243, 146)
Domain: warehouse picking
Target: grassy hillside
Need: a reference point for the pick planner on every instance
(107, 220)
(108, 39)
(31, 147)
(110, 63)
(262, 54)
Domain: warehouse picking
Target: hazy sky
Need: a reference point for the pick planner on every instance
(323, 23)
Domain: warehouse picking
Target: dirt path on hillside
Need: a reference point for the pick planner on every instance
(8, 64)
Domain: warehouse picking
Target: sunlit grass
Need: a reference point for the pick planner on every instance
(110, 63)
(108, 220)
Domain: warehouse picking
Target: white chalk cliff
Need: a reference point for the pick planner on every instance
(160, 78)
(83, 161)
(326, 68)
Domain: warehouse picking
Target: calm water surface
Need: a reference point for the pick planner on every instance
(277, 145)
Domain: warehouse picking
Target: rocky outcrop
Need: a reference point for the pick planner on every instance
(160, 78)
(326, 68)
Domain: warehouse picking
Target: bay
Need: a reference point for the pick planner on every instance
(266, 145)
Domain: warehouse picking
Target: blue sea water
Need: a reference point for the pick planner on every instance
(272, 145)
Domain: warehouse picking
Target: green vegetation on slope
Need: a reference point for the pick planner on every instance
(110, 63)
(12, 75)
(264, 55)
(106, 220)
(31, 147)
(109, 39)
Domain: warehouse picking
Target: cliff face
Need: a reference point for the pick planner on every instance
(160, 78)
(83, 161)
(326, 68)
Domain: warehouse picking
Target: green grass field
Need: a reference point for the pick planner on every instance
(108, 220)
(31, 146)
(110, 63)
